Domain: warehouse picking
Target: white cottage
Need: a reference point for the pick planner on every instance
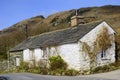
(75, 45)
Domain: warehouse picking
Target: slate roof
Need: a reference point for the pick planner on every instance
(59, 37)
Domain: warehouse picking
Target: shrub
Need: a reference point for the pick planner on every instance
(100, 69)
(44, 71)
(42, 63)
(57, 72)
(71, 72)
(97, 70)
(52, 72)
(56, 62)
(24, 66)
(85, 72)
(115, 65)
(35, 70)
(106, 68)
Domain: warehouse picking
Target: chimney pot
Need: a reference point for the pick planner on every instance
(76, 20)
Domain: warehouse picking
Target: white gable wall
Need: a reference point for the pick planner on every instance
(90, 38)
(110, 56)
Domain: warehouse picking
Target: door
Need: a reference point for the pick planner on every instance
(17, 61)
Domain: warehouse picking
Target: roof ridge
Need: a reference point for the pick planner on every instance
(66, 28)
(98, 21)
(50, 32)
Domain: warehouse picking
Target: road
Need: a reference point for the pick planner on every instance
(114, 75)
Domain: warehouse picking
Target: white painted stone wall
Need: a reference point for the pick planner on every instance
(69, 52)
(26, 55)
(110, 56)
(71, 55)
(90, 38)
(38, 54)
(84, 58)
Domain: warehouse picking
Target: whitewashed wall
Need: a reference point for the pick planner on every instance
(26, 55)
(71, 55)
(90, 38)
(110, 57)
(38, 54)
(69, 52)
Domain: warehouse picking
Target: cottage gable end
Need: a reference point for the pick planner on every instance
(91, 35)
(99, 45)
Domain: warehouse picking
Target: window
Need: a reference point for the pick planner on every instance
(103, 54)
(44, 53)
(32, 56)
(17, 61)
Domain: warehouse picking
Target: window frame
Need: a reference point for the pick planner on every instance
(103, 55)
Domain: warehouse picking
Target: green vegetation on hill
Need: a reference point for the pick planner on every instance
(15, 34)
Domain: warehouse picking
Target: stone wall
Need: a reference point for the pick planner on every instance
(90, 37)
(6, 65)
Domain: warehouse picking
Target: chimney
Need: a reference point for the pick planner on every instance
(26, 31)
(76, 20)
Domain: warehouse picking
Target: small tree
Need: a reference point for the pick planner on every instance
(24, 66)
(56, 62)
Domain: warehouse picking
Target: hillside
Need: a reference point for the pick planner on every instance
(109, 13)
(14, 34)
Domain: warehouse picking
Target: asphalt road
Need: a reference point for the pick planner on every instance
(114, 75)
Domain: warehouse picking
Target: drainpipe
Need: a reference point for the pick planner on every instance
(26, 30)
(8, 53)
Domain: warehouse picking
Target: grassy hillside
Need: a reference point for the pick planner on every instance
(14, 34)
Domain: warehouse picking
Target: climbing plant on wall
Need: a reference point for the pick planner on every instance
(102, 43)
(103, 40)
